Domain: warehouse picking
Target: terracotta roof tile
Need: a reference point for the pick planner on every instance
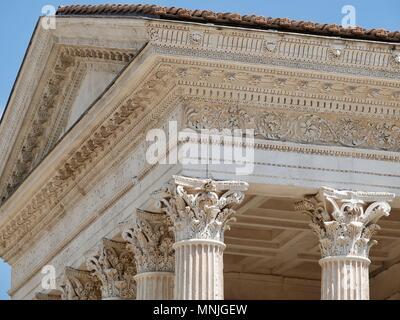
(234, 19)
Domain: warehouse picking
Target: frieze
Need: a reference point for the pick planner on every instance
(300, 127)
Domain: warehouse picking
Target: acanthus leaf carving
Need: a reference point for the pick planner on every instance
(345, 221)
(80, 285)
(151, 240)
(200, 208)
(114, 266)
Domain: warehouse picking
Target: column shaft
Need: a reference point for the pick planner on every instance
(200, 211)
(344, 278)
(150, 240)
(199, 270)
(155, 286)
(345, 222)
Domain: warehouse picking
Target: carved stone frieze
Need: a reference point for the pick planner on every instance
(200, 208)
(345, 221)
(301, 127)
(114, 266)
(292, 85)
(80, 285)
(151, 240)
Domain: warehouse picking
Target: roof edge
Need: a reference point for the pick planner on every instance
(230, 19)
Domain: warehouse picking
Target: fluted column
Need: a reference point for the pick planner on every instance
(150, 240)
(155, 285)
(345, 222)
(200, 210)
(114, 266)
(80, 285)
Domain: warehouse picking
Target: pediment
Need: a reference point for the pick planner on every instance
(73, 77)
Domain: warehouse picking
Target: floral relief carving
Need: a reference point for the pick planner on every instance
(271, 125)
(323, 128)
(114, 266)
(345, 221)
(195, 38)
(200, 208)
(80, 285)
(151, 239)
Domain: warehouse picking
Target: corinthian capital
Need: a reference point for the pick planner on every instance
(80, 285)
(113, 265)
(151, 240)
(201, 208)
(345, 221)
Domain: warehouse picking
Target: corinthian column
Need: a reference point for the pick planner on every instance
(113, 265)
(345, 222)
(150, 240)
(80, 285)
(200, 210)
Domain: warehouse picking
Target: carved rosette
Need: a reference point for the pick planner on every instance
(345, 221)
(201, 208)
(151, 240)
(80, 285)
(113, 265)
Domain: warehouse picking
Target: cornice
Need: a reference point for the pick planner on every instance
(278, 48)
(97, 142)
(30, 149)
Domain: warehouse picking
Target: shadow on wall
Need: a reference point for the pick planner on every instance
(5, 274)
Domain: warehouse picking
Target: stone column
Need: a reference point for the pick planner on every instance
(345, 222)
(80, 285)
(200, 210)
(114, 266)
(150, 240)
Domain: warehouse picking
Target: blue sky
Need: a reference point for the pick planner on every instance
(18, 19)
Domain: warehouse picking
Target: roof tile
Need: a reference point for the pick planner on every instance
(235, 19)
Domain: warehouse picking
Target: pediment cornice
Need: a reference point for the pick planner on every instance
(43, 125)
(192, 70)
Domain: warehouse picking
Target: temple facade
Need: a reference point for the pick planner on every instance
(164, 153)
